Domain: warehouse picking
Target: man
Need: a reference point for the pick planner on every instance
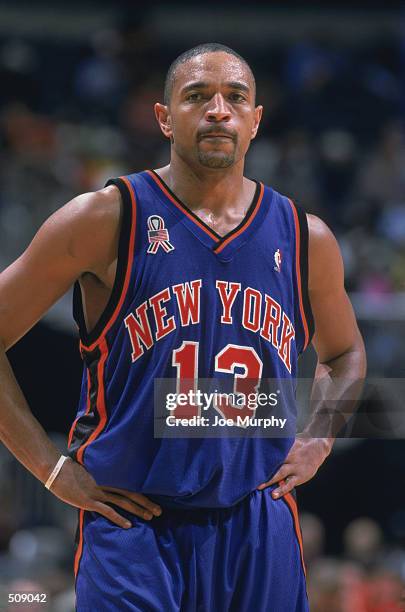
(190, 271)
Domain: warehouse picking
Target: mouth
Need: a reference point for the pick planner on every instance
(216, 136)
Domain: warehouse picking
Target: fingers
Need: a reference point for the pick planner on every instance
(282, 473)
(111, 515)
(285, 487)
(127, 504)
(138, 498)
(77, 487)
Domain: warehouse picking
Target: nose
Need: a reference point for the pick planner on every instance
(217, 109)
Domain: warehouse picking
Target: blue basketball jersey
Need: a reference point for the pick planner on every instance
(188, 304)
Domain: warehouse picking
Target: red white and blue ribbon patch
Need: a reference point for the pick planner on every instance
(158, 235)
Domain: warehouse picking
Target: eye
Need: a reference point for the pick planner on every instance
(237, 97)
(194, 97)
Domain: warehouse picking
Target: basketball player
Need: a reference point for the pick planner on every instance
(183, 272)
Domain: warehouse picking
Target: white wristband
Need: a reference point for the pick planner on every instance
(55, 471)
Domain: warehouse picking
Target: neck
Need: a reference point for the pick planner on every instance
(214, 189)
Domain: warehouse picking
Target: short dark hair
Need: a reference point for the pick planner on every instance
(198, 50)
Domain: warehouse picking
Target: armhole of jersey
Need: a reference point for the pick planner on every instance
(123, 272)
(302, 265)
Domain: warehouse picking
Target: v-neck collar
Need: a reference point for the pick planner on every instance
(217, 243)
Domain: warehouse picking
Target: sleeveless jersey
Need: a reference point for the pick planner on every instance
(190, 304)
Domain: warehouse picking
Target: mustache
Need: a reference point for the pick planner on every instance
(217, 130)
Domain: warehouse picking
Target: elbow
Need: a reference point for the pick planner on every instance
(3, 345)
(351, 362)
(361, 356)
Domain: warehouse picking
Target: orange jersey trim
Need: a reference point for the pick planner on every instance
(292, 504)
(298, 272)
(127, 273)
(100, 402)
(72, 429)
(79, 549)
(245, 226)
(182, 208)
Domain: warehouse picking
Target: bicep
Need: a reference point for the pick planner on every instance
(69, 243)
(336, 329)
(29, 287)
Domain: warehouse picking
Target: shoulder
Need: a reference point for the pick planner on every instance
(324, 255)
(94, 219)
(85, 229)
(102, 207)
(320, 235)
(317, 228)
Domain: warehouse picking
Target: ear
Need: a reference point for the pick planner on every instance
(163, 118)
(258, 116)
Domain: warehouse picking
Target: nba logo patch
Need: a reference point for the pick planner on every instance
(277, 260)
(158, 235)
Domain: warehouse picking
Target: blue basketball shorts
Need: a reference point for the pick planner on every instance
(243, 558)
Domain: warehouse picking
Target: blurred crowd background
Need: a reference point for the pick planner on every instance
(78, 85)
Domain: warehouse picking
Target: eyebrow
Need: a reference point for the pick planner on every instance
(238, 85)
(204, 85)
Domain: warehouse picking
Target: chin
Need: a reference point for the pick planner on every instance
(212, 160)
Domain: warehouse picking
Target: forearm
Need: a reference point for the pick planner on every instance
(335, 392)
(19, 430)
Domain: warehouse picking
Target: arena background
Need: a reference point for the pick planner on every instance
(77, 87)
